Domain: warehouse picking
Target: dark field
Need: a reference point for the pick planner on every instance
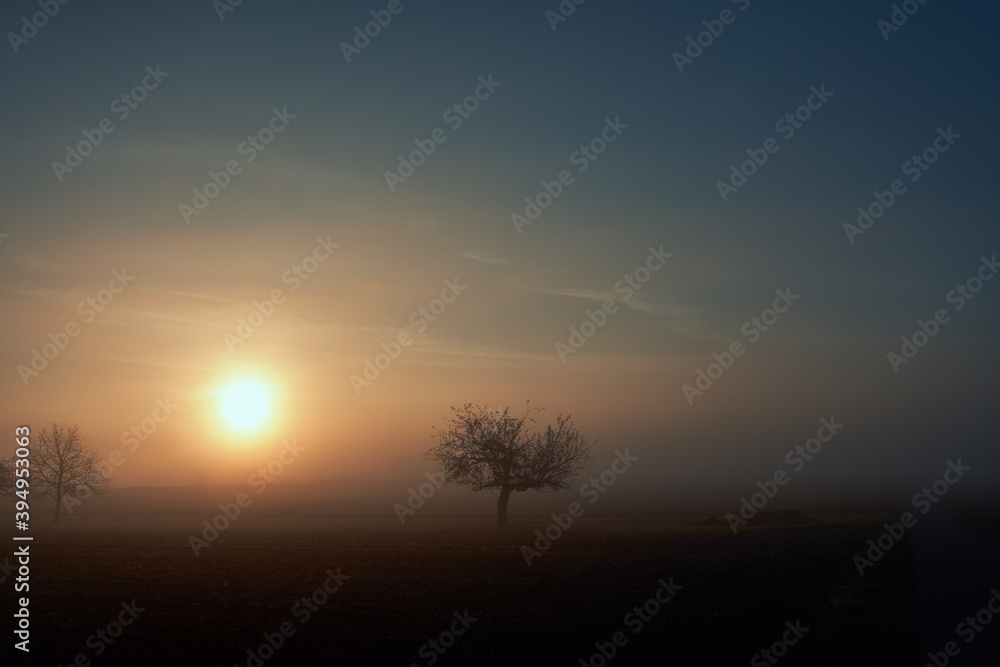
(407, 582)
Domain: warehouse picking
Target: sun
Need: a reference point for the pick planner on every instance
(245, 404)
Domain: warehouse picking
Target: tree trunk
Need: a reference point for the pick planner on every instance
(502, 507)
(55, 518)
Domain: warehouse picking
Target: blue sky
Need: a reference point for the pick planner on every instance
(655, 185)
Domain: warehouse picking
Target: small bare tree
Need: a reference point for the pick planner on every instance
(488, 449)
(61, 464)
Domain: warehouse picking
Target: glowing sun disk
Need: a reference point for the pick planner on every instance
(245, 404)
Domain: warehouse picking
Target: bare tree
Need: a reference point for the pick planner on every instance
(61, 464)
(7, 476)
(488, 449)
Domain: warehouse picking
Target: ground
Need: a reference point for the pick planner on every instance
(407, 582)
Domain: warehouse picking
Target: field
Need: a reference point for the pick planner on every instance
(406, 584)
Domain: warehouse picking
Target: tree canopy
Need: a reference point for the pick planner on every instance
(490, 449)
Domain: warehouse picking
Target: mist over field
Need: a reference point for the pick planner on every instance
(386, 332)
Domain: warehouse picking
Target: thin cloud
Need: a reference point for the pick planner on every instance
(480, 257)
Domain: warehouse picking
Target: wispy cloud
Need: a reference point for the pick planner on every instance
(186, 295)
(481, 257)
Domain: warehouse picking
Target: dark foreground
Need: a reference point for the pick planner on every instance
(407, 583)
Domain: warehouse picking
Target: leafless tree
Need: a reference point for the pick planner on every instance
(7, 476)
(488, 449)
(61, 464)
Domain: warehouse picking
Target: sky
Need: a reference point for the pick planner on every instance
(383, 248)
